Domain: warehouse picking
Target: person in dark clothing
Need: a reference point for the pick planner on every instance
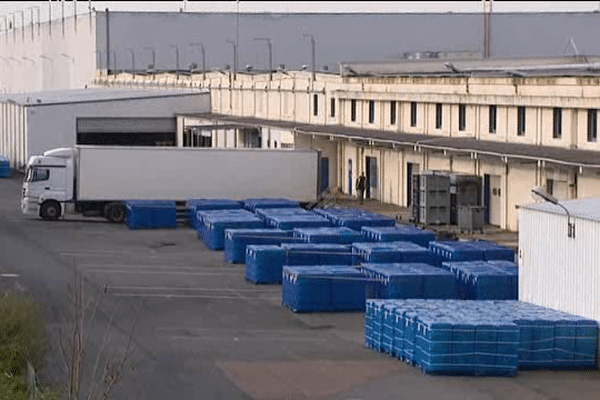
(361, 186)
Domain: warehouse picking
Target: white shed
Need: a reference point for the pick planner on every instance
(556, 269)
(31, 123)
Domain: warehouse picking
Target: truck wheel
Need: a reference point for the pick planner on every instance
(50, 210)
(116, 213)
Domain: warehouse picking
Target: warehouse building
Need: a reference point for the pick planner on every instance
(33, 123)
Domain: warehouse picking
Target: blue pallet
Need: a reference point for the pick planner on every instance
(392, 252)
(253, 204)
(198, 221)
(212, 233)
(355, 218)
(195, 205)
(399, 233)
(454, 251)
(323, 288)
(151, 214)
(236, 241)
(289, 222)
(492, 251)
(410, 281)
(264, 263)
(338, 235)
(484, 280)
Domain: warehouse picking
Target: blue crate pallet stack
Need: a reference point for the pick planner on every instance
(323, 288)
(493, 251)
(4, 167)
(485, 280)
(392, 252)
(195, 205)
(289, 222)
(399, 233)
(354, 218)
(151, 214)
(253, 204)
(409, 281)
(268, 213)
(264, 263)
(236, 241)
(454, 251)
(214, 223)
(338, 235)
(480, 337)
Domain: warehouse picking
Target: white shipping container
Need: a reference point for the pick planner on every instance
(556, 270)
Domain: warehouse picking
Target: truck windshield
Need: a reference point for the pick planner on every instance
(37, 174)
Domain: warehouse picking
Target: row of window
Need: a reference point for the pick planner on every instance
(592, 128)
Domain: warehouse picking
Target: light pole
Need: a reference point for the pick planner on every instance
(538, 191)
(203, 58)
(268, 40)
(132, 61)
(153, 59)
(312, 43)
(234, 57)
(176, 47)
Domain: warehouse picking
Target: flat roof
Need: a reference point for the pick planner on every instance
(54, 97)
(558, 155)
(588, 208)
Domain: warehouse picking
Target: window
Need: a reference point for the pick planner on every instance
(413, 114)
(332, 107)
(592, 135)
(557, 123)
(392, 112)
(550, 186)
(492, 119)
(521, 121)
(353, 110)
(438, 116)
(315, 105)
(38, 174)
(462, 117)
(371, 111)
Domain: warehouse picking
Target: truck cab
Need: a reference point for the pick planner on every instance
(48, 183)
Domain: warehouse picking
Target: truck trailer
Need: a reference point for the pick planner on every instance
(99, 180)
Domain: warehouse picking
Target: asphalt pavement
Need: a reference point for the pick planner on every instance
(197, 330)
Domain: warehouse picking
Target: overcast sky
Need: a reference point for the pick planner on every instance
(7, 7)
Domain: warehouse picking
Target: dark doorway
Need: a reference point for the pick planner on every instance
(371, 177)
(486, 198)
(324, 174)
(350, 178)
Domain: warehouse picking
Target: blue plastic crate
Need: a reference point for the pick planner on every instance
(151, 214)
(253, 204)
(485, 280)
(399, 233)
(492, 251)
(339, 235)
(355, 218)
(264, 263)
(4, 167)
(236, 241)
(289, 222)
(392, 252)
(215, 223)
(195, 205)
(454, 251)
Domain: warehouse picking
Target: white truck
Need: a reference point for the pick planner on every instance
(98, 180)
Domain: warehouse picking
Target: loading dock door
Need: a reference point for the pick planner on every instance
(372, 176)
(496, 200)
(127, 131)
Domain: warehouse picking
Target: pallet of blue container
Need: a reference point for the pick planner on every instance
(195, 205)
(4, 167)
(323, 288)
(237, 240)
(354, 218)
(201, 215)
(485, 280)
(289, 222)
(392, 252)
(410, 281)
(339, 235)
(454, 251)
(493, 251)
(151, 214)
(481, 337)
(253, 204)
(264, 263)
(216, 222)
(397, 233)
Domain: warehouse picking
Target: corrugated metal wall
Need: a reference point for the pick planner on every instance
(13, 134)
(557, 271)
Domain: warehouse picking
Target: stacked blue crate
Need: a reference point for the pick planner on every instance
(392, 252)
(236, 241)
(195, 205)
(264, 263)
(493, 251)
(268, 213)
(289, 222)
(216, 222)
(339, 235)
(485, 280)
(323, 288)
(454, 251)
(151, 214)
(399, 233)
(4, 167)
(481, 337)
(354, 218)
(410, 281)
(253, 204)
